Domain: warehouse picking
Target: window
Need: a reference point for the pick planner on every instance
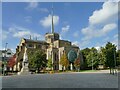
(56, 57)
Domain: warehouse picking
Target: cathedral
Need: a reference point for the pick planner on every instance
(52, 46)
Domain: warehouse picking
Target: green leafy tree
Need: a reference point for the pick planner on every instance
(64, 61)
(37, 59)
(118, 58)
(85, 52)
(49, 64)
(92, 58)
(110, 52)
(101, 56)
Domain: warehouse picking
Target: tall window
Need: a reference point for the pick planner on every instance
(56, 56)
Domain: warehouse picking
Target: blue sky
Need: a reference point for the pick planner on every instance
(86, 24)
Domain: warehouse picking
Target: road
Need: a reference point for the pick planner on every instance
(63, 80)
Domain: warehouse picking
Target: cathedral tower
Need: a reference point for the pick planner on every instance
(51, 37)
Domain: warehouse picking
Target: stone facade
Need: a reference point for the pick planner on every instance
(27, 45)
(52, 46)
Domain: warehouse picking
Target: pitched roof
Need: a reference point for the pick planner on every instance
(35, 41)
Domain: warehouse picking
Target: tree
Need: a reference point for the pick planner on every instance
(118, 58)
(92, 58)
(101, 56)
(12, 62)
(85, 52)
(77, 63)
(64, 61)
(110, 52)
(37, 59)
(49, 64)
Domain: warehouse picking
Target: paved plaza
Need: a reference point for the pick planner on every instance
(61, 80)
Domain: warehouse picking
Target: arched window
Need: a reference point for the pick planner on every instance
(56, 56)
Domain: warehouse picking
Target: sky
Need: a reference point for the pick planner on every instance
(85, 24)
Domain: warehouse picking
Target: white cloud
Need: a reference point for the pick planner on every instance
(81, 44)
(108, 13)
(93, 32)
(3, 34)
(75, 43)
(64, 31)
(84, 44)
(108, 27)
(76, 34)
(102, 21)
(21, 32)
(98, 48)
(115, 40)
(32, 5)
(13, 50)
(46, 21)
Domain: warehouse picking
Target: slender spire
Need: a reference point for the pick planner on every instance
(52, 26)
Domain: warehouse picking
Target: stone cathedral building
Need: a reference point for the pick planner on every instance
(53, 47)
